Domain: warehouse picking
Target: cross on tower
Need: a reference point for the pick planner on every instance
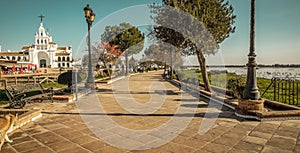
(41, 16)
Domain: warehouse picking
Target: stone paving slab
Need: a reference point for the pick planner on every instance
(63, 130)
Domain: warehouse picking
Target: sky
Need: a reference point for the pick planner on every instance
(277, 26)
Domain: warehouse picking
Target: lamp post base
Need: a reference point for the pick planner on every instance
(90, 85)
(246, 105)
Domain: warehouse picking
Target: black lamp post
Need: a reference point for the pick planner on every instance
(90, 16)
(171, 65)
(251, 89)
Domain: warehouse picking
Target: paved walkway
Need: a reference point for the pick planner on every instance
(153, 116)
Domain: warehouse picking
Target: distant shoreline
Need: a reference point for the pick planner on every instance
(259, 65)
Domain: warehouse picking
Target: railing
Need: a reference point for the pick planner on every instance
(284, 90)
(29, 78)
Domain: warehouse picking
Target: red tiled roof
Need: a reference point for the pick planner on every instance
(62, 54)
(25, 47)
(12, 53)
(61, 48)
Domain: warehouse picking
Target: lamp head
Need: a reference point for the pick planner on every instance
(92, 16)
(87, 11)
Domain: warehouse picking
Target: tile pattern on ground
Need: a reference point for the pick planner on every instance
(61, 129)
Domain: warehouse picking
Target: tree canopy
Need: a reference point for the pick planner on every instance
(106, 52)
(197, 27)
(127, 37)
(162, 52)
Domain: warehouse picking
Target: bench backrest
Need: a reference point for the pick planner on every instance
(25, 88)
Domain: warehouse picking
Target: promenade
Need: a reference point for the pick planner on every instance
(145, 113)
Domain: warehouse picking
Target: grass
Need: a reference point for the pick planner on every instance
(222, 79)
(99, 77)
(54, 85)
(286, 91)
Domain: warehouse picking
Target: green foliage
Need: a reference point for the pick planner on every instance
(162, 52)
(237, 86)
(3, 97)
(185, 74)
(67, 78)
(211, 23)
(94, 59)
(53, 84)
(127, 37)
(99, 77)
(216, 16)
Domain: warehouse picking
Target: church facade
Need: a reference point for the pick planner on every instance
(44, 52)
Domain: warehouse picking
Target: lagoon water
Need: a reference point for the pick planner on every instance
(266, 72)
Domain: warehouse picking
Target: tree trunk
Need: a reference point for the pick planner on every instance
(202, 63)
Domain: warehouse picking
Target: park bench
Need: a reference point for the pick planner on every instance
(21, 94)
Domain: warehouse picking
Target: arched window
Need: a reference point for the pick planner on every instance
(7, 57)
(68, 58)
(19, 58)
(59, 58)
(13, 58)
(58, 64)
(63, 59)
(24, 58)
(45, 41)
(42, 41)
(38, 41)
(68, 65)
(63, 64)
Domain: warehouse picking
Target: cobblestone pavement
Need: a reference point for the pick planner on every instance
(62, 129)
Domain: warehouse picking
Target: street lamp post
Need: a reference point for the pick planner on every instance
(89, 16)
(171, 65)
(251, 89)
(250, 100)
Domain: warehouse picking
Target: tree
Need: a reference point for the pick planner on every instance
(129, 39)
(68, 78)
(107, 54)
(94, 59)
(161, 52)
(133, 63)
(215, 16)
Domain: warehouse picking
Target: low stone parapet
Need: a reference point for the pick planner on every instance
(246, 105)
(63, 98)
(25, 116)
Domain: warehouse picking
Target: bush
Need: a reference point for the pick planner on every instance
(237, 86)
(67, 78)
(3, 99)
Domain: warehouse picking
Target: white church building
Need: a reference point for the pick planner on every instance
(44, 52)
